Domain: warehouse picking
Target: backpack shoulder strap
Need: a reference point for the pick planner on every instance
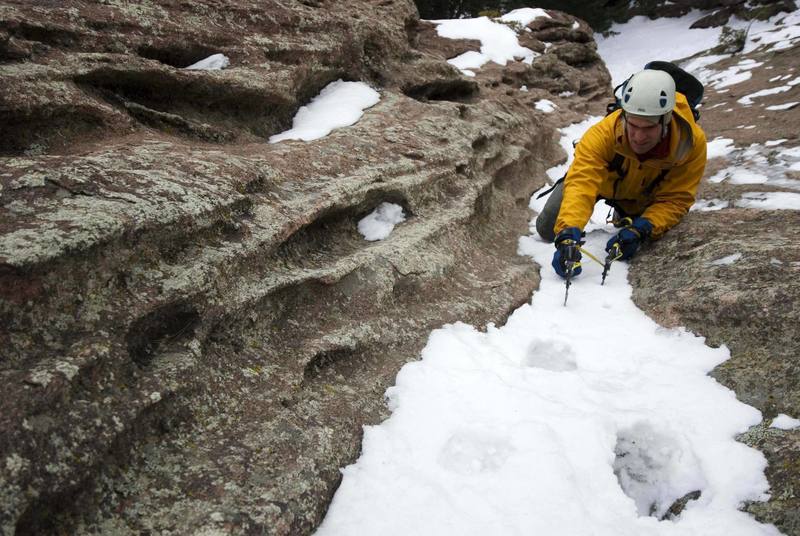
(616, 165)
(658, 180)
(553, 187)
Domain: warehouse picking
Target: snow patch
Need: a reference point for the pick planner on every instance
(760, 164)
(707, 205)
(785, 106)
(379, 224)
(784, 422)
(724, 261)
(545, 106)
(719, 147)
(525, 15)
(624, 54)
(770, 200)
(499, 42)
(339, 104)
(747, 100)
(215, 62)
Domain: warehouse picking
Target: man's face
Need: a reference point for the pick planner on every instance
(643, 135)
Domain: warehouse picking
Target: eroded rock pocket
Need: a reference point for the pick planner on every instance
(202, 107)
(334, 234)
(327, 360)
(167, 325)
(444, 90)
(44, 130)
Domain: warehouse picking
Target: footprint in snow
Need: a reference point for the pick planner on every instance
(551, 355)
(474, 451)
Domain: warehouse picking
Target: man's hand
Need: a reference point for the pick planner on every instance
(568, 250)
(630, 237)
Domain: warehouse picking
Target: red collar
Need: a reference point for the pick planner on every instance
(661, 150)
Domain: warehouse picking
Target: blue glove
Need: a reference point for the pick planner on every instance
(630, 237)
(567, 244)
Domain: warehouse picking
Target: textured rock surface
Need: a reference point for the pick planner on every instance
(193, 331)
(718, 11)
(751, 305)
(600, 14)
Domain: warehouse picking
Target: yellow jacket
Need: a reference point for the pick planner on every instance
(589, 178)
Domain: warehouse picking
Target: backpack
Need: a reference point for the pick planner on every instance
(685, 83)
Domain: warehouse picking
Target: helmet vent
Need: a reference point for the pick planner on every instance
(627, 98)
(662, 102)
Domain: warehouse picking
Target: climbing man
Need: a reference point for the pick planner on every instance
(644, 159)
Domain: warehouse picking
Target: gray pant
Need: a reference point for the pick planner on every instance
(547, 218)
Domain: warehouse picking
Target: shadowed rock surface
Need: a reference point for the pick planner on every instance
(193, 331)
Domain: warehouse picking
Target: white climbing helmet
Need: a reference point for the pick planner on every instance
(649, 93)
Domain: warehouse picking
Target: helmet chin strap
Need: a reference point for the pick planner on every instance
(664, 120)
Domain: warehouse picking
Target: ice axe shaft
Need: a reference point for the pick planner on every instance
(570, 252)
(613, 254)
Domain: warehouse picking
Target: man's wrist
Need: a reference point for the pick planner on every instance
(643, 227)
(568, 233)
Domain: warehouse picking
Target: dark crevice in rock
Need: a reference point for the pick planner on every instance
(40, 131)
(168, 324)
(49, 35)
(198, 106)
(12, 50)
(325, 239)
(333, 234)
(444, 90)
(171, 122)
(325, 359)
(480, 143)
(376, 197)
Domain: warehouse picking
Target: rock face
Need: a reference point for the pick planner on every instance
(600, 14)
(719, 11)
(193, 331)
